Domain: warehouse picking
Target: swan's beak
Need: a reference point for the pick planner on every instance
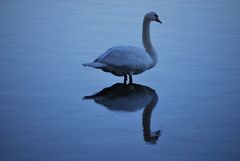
(158, 20)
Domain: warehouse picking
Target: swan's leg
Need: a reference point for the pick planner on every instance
(125, 79)
(130, 79)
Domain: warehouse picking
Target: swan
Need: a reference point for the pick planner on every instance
(129, 60)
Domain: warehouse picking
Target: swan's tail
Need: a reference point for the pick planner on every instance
(95, 65)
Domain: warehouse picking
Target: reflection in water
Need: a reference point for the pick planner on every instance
(130, 98)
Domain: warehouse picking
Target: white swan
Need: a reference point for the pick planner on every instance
(129, 60)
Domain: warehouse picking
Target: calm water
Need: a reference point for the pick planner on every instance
(186, 108)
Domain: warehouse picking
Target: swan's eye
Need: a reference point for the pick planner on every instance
(156, 15)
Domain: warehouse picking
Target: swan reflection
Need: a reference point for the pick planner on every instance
(130, 98)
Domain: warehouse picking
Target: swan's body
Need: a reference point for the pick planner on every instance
(122, 60)
(129, 60)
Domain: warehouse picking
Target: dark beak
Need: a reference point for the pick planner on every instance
(158, 21)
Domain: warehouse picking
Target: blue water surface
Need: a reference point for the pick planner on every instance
(52, 108)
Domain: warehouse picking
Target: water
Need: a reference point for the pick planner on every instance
(186, 108)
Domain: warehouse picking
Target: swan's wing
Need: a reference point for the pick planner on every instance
(126, 57)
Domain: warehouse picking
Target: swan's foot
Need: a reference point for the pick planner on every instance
(125, 79)
(130, 79)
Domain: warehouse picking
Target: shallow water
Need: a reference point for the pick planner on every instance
(186, 108)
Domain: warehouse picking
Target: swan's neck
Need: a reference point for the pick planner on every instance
(147, 41)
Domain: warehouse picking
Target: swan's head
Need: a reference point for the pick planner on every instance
(152, 16)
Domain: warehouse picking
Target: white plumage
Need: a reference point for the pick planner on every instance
(129, 60)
